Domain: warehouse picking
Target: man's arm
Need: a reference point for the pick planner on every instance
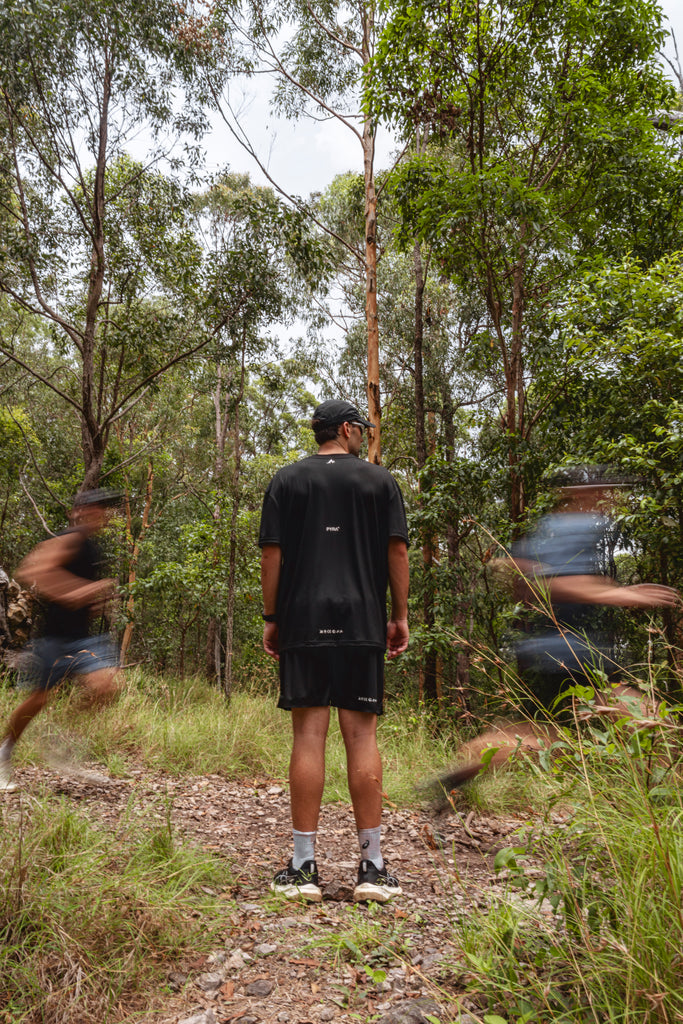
(399, 578)
(600, 590)
(44, 569)
(271, 560)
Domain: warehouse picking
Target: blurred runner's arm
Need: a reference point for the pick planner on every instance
(44, 569)
(599, 590)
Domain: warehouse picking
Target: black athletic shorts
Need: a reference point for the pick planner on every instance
(338, 677)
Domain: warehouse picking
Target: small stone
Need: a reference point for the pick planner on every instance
(288, 922)
(339, 892)
(411, 1011)
(237, 960)
(176, 980)
(206, 1017)
(275, 791)
(263, 987)
(219, 956)
(284, 1016)
(210, 981)
(329, 1013)
(429, 961)
(265, 949)
(248, 1020)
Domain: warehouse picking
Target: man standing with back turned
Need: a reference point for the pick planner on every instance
(333, 534)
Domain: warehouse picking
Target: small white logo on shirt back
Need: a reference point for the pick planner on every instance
(333, 529)
(330, 462)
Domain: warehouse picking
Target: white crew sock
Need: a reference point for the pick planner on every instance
(369, 842)
(6, 748)
(304, 848)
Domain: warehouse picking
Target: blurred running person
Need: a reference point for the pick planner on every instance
(64, 572)
(564, 560)
(333, 535)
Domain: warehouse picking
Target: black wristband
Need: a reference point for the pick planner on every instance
(269, 618)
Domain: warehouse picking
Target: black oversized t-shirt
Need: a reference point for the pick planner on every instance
(332, 516)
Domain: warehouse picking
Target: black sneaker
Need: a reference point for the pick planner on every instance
(375, 884)
(301, 883)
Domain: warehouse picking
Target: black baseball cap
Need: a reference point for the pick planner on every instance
(335, 411)
(97, 496)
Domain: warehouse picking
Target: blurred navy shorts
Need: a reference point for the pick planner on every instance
(52, 659)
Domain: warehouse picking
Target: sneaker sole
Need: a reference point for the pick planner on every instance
(377, 893)
(9, 787)
(308, 892)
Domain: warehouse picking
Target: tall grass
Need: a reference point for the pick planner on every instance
(597, 934)
(185, 726)
(89, 918)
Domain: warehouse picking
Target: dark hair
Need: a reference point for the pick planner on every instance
(325, 433)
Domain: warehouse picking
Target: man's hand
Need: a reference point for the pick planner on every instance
(650, 595)
(271, 640)
(398, 635)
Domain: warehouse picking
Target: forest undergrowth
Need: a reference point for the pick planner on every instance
(587, 927)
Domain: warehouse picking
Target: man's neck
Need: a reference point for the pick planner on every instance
(336, 447)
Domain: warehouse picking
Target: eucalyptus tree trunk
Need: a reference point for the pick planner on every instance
(371, 317)
(213, 654)
(236, 489)
(428, 686)
(134, 545)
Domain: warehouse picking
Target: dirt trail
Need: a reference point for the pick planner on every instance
(283, 962)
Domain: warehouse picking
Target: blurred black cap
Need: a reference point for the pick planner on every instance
(592, 476)
(97, 496)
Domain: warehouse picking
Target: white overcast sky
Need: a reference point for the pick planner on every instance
(305, 156)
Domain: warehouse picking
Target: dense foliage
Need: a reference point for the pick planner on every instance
(527, 253)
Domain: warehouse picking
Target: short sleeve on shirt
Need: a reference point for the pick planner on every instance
(269, 532)
(398, 525)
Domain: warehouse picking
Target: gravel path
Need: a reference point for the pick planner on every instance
(336, 961)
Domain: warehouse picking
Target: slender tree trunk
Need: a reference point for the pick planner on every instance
(232, 556)
(372, 321)
(212, 658)
(93, 438)
(516, 396)
(462, 604)
(428, 678)
(134, 556)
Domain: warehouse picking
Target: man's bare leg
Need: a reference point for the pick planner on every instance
(25, 713)
(19, 719)
(507, 739)
(363, 765)
(307, 766)
(364, 769)
(99, 687)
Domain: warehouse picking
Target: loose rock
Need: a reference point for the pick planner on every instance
(206, 1017)
(210, 981)
(265, 949)
(411, 1011)
(263, 987)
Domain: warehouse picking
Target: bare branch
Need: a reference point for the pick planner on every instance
(35, 507)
